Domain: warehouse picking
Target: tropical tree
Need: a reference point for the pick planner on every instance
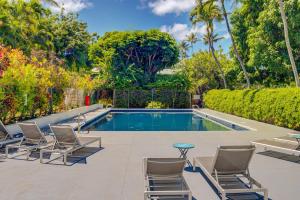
(203, 74)
(71, 40)
(25, 25)
(183, 49)
(287, 41)
(206, 12)
(209, 39)
(134, 56)
(257, 28)
(238, 56)
(192, 39)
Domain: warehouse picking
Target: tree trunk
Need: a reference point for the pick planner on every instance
(218, 64)
(234, 45)
(287, 41)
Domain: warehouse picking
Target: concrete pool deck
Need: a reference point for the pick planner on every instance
(115, 172)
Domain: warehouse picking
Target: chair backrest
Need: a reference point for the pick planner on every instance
(233, 159)
(64, 135)
(32, 132)
(3, 131)
(164, 166)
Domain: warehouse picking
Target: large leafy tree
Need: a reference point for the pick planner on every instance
(25, 25)
(135, 56)
(29, 25)
(202, 72)
(243, 19)
(257, 27)
(71, 40)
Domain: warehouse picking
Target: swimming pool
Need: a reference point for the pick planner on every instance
(154, 121)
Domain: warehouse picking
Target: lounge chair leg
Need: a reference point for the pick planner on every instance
(266, 195)
(65, 159)
(27, 154)
(6, 151)
(100, 143)
(41, 156)
(145, 196)
(223, 196)
(194, 165)
(190, 196)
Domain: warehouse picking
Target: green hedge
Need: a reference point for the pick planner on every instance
(274, 106)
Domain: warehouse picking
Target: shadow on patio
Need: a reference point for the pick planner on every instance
(281, 156)
(80, 156)
(239, 196)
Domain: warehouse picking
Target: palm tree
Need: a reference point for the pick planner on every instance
(52, 2)
(207, 12)
(183, 48)
(192, 39)
(233, 43)
(210, 36)
(209, 39)
(287, 41)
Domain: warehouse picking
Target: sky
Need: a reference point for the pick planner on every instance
(170, 16)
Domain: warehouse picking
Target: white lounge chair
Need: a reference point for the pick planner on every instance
(33, 140)
(164, 179)
(228, 170)
(67, 142)
(284, 144)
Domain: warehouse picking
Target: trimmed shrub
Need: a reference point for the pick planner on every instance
(274, 106)
(156, 105)
(106, 102)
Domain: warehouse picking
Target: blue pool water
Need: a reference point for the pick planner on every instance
(154, 121)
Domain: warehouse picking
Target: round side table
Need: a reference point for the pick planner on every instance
(297, 137)
(183, 149)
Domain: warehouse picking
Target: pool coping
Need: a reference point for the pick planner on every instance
(221, 121)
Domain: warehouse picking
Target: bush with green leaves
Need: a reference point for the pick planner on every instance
(106, 102)
(156, 105)
(274, 106)
(25, 85)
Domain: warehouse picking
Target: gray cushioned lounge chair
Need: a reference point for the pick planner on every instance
(67, 142)
(33, 140)
(5, 137)
(164, 179)
(228, 170)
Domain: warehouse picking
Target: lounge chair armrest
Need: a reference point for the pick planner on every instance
(255, 182)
